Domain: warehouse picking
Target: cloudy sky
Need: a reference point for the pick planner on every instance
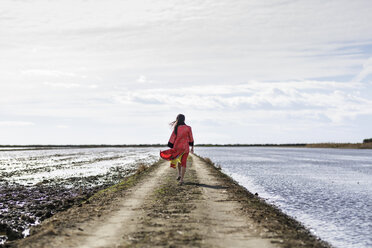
(117, 72)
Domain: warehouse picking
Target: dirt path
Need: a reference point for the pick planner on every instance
(225, 225)
(157, 212)
(196, 214)
(109, 231)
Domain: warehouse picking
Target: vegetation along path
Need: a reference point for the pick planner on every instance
(151, 210)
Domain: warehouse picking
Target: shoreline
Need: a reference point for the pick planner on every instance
(299, 145)
(274, 225)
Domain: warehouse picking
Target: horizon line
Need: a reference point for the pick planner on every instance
(159, 144)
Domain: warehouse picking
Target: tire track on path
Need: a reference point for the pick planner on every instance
(111, 231)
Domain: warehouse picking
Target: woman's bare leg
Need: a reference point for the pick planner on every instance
(183, 170)
(179, 170)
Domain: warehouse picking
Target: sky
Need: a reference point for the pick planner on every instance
(118, 72)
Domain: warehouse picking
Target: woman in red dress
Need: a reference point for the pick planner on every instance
(179, 143)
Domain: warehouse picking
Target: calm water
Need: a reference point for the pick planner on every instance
(328, 190)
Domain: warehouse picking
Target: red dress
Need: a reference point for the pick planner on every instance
(179, 144)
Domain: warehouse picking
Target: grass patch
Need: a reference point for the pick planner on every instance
(126, 183)
(210, 162)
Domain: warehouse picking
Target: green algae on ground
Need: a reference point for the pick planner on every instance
(126, 183)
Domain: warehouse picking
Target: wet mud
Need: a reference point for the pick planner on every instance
(22, 206)
(36, 184)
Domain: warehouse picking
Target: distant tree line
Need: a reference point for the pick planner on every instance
(367, 143)
(244, 145)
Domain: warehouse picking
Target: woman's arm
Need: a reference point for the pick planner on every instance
(191, 140)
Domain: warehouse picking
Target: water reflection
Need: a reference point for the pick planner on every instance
(329, 190)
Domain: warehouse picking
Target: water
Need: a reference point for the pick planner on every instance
(328, 190)
(30, 167)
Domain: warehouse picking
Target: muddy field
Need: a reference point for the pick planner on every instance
(36, 184)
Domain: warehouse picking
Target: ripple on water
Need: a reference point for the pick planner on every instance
(328, 190)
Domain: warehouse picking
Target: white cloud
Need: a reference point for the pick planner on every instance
(16, 123)
(367, 70)
(143, 80)
(49, 73)
(213, 41)
(119, 62)
(63, 126)
(334, 100)
(69, 85)
(63, 85)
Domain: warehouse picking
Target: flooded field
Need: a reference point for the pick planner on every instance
(35, 184)
(329, 190)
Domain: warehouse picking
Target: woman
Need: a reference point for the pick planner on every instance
(179, 143)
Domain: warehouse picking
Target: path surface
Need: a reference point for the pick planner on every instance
(224, 225)
(158, 213)
(109, 231)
